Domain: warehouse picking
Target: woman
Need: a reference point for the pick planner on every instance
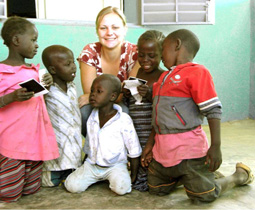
(111, 55)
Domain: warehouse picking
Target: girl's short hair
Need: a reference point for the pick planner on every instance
(152, 35)
(108, 10)
(12, 26)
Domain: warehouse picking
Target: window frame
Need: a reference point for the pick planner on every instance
(3, 8)
(175, 12)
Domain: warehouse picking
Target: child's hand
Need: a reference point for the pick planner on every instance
(146, 157)
(143, 90)
(126, 92)
(214, 158)
(47, 80)
(22, 94)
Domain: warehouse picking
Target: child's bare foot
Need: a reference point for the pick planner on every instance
(243, 174)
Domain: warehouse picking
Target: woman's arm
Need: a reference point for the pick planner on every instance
(88, 74)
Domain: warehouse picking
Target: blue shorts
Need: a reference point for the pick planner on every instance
(198, 181)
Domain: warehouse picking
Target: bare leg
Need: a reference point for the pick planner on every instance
(242, 176)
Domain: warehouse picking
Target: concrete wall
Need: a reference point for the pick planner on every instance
(225, 49)
(252, 64)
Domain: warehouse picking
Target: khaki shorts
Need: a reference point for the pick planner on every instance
(198, 181)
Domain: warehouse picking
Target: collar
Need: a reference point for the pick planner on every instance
(69, 85)
(181, 66)
(13, 69)
(95, 114)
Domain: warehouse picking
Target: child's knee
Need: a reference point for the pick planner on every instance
(159, 191)
(208, 196)
(121, 188)
(120, 180)
(74, 185)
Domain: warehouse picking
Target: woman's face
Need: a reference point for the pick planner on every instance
(111, 31)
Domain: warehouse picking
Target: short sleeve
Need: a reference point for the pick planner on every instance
(204, 94)
(128, 59)
(91, 55)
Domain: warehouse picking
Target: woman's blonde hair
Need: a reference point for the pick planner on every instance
(108, 10)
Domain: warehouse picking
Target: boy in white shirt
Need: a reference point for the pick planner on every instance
(111, 138)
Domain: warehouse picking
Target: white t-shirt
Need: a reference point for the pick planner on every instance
(112, 143)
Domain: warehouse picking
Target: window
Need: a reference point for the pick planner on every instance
(3, 11)
(84, 10)
(178, 12)
(21, 8)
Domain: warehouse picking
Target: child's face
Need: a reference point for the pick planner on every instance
(100, 93)
(149, 55)
(169, 53)
(64, 65)
(28, 42)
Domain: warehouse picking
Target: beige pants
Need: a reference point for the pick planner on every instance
(88, 174)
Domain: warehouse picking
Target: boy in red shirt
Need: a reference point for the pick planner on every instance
(177, 149)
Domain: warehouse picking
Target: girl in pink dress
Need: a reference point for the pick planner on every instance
(26, 134)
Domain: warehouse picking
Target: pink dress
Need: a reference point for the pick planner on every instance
(91, 55)
(26, 132)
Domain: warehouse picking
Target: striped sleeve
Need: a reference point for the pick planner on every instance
(211, 108)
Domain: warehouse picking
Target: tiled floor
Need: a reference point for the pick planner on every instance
(238, 144)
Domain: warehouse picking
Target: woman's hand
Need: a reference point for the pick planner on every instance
(83, 100)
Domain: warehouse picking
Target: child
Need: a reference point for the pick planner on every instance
(110, 139)
(64, 112)
(149, 57)
(26, 133)
(181, 98)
